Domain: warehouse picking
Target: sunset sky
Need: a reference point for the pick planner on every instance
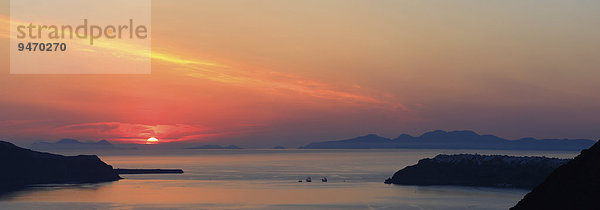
(264, 73)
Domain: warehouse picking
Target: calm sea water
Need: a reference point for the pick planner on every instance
(249, 179)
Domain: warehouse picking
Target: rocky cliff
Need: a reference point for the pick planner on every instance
(575, 185)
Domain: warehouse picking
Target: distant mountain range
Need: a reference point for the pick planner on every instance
(68, 144)
(215, 147)
(452, 140)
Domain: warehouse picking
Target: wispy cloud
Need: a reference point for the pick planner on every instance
(272, 82)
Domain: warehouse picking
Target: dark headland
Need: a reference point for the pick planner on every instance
(575, 185)
(22, 167)
(478, 170)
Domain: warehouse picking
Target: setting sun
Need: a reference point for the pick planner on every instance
(152, 140)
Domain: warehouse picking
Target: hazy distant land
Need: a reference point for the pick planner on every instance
(452, 140)
(430, 140)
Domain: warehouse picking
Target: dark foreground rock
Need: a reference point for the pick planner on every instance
(478, 170)
(575, 185)
(22, 167)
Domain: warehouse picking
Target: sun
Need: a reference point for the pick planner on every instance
(152, 140)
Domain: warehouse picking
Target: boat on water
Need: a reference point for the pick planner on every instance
(308, 179)
(324, 179)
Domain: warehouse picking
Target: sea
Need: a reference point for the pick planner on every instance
(267, 179)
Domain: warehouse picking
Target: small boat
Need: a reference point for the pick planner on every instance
(308, 179)
(324, 179)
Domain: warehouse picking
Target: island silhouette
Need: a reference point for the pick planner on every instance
(24, 167)
(478, 170)
(452, 140)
